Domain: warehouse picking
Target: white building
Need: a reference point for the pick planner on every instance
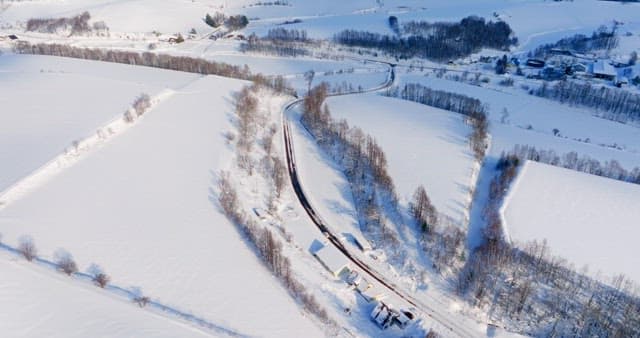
(603, 70)
(333, 260)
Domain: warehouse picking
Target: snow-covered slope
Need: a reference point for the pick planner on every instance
(423, 145)
(49, 102)
(535, 114)
(39, 304)
(144, 208)
(587, 219)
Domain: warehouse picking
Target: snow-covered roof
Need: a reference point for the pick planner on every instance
(603, 68)
(332, 259)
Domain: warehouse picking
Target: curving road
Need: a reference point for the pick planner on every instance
(444, 319)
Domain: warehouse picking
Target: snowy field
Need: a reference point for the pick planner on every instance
(49, 102)
(424, 145)
(589, 220)
(539, 115)
(551, 21)
(44, 304)
(143, 208)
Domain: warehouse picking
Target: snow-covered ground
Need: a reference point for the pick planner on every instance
(423, 145)
(45, 304)
(587, 219)
(144, 208)
(50, 102)
(143, 205)
(539, 115)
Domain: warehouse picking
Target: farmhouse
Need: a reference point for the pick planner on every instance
(603, 70)
(333, 260)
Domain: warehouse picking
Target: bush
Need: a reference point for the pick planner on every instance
(98, 276)
(65, 262)
(27, 248)
(101, 279)
(237, 22)
(508, 82)
(216, 20)
(142, 301)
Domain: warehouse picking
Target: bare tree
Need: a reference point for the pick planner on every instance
(423, 211)
(27, 248)
(98, 276)
(279, 175)
(308, 76)
(65, 263)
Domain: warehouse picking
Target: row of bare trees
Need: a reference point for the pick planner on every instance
(572, 160)
(535, 292)
(63, 261)
(268, 247)
(470, 107)
(254, 130)
(140, 106)
(164, 61)
(610, 103)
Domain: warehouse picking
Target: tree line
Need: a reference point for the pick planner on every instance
(472, 108)
(280, 42)
(602, 39)
(610, 103)
(163, 61)
(437, 41)
(251, 123)
(572, 160)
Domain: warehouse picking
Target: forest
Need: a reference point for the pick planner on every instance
(439, 41)
(76, 25)
(163, 61)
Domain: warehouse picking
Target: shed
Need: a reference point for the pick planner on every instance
(603, 70)
(333, 260)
